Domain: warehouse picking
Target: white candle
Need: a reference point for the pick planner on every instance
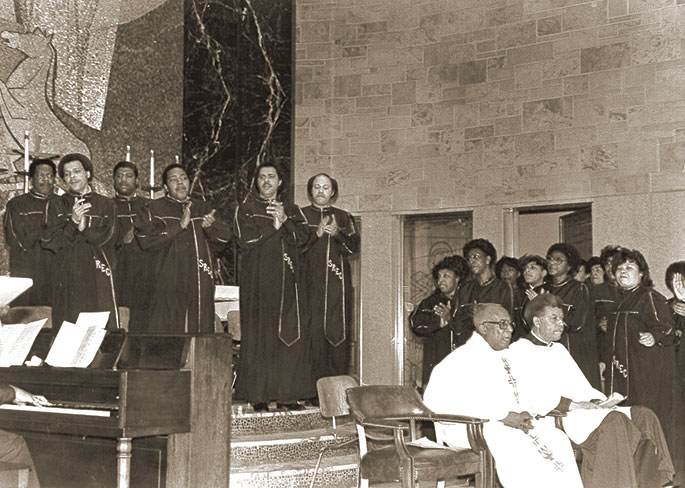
(152, 169)
(128, 153)
(26, 151)
(178, 159)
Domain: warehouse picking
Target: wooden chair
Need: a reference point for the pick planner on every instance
(333, 405)
(399, 408)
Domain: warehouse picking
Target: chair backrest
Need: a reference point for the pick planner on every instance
(385, 402)
(331, 392)
(24, 315)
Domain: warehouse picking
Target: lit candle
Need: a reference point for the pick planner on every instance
(152, 169)
(178, 159)
(128, 153)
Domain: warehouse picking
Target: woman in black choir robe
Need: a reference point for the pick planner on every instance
(180, 228)
(275, 340)
(25, 218)
(329, 284)
(580, 335)
(533, 275)
(643, 355)
(605, 295)
(81, 229)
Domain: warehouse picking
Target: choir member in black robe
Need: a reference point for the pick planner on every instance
(580, 336)
(606, 296)
(275, 355)
(13, 448)
(135, 272)
(643, 335)
(181, 228)
(81, 229)
(675, 281)
(333, 239)
(483, 287)
(435, 317)
(25, 218)
(534, 273)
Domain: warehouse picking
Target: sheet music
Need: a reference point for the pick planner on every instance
(76, 344)
(16, 341)
(11, 287)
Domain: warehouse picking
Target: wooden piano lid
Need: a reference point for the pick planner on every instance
(148, 351)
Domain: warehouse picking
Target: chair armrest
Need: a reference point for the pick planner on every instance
(396, 421)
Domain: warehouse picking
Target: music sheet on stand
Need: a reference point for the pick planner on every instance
(16, 341)
(76, 344)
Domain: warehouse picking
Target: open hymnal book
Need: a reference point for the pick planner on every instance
(11, 287)
(16, 341)
(76, 344)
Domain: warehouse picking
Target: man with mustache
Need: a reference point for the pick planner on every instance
(180, 228)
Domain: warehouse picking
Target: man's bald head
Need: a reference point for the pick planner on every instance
(493, 323)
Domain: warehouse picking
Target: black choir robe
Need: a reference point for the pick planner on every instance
(523, 300)
(275, 342)
(647, 375)
(183, 297)
(136, 268)
(438, 341)
(606, 297)
(470, 292)
(85, 261)
(580, 335)
(25, 219)
(329, 288)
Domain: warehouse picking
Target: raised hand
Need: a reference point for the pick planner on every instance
(78, 211)
(208, 219)
(321, 229)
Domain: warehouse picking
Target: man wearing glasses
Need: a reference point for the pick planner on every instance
(621, 446)
(479, 379)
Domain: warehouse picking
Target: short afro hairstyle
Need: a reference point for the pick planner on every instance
(165, 174)
(526, 259)
(82, 158)
(625, 255)
(537, 306)
(125, 164)
(506, 261)
(571, 253)
(456, 264)
(44, 161)
(482, 244)
(673, 268)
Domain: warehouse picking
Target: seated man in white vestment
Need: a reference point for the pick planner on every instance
(623, 447)
(479, 379)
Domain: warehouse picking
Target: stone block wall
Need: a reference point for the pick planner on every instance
(431, 105)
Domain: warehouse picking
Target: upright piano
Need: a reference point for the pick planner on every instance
(164, 399)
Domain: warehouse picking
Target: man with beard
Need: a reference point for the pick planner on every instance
(180, 228)
(25, 217)
(435, 317)
(81, 229)
(134, 277)
(275, 361)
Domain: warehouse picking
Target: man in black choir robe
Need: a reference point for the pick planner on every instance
(25, 218)
(435, 317)
(329, 284)
(275, 362)
(181, 228)
(81, 229)
(135, 273)
(483, 287)
(606, 297)
(580, 335)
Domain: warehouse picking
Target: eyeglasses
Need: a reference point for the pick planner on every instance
(502, 324)
(550, 259)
